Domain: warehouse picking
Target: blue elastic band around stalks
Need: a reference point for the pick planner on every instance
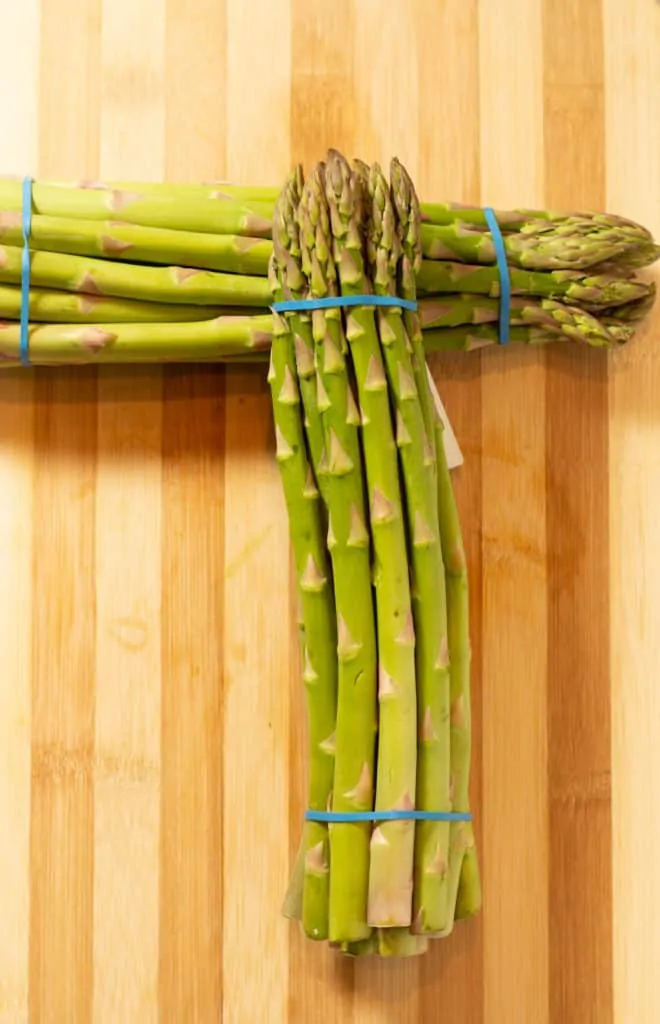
(331, 301)
(349, 816)
(25, 271)
(503, 270)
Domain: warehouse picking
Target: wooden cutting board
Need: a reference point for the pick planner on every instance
(152, 743)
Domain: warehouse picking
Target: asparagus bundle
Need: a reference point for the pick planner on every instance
(136, 253)
(392, 884)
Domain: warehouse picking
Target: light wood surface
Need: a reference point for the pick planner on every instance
(152, 742)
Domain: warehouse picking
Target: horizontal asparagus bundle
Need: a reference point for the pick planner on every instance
(134, 259)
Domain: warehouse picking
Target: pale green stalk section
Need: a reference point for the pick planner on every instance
(113, 240)
(50, 306)
(348, 541)
(392, 845)
(217, 340)
(306, 528)
(178, 213)
(91, 276)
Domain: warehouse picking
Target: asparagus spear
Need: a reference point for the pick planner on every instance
(236, 254)
(47, 305)
(306, 529)
(218, 190)
(287, 237)
(574, 243)
(463, 862)
(156, 211)
(348, 540)
(392, 845)
(132, 281)
(556, 317)
(462, 308)
(428, 577)
(467, 337)
(207, 341)
(515, 220)
(573, 286)
(408, 214)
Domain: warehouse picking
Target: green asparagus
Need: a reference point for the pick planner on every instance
(428, 578)
(306, 529)
(392, 844)
(235, 254)
(348, 541)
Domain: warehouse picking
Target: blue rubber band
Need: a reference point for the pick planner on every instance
(293, 305)
(25, 271)
(503, 269)
(349, 816)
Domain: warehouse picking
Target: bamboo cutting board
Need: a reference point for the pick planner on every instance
(152, 744)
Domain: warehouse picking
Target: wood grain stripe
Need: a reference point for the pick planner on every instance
(63, 763)
(64, 609)
(16, 589)
(448, 71)
(577, 518)
(129, 516)
(632, 115)
(258, 649)
(191, 718)
(514, 555)
(18, 115)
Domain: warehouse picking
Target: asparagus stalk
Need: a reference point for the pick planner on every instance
(47, 305)
(236, 254)
(218, 190)
(148, 210)
(392, 845)
(468, 337)
(555, 317)
(463, 862)
(131, 281)
(428, 576)
(408, 214)
(306, 529)
(445, 213)
(215, 340)
(574, 243)
(287, 237)
(591, 291)
(348, 541)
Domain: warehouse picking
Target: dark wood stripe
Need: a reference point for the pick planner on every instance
(579, 743)
(191, 734)
(64, 629)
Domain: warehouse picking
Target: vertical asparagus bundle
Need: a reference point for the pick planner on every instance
(340, 232)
